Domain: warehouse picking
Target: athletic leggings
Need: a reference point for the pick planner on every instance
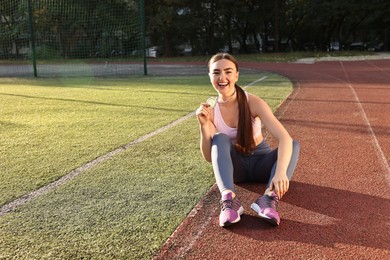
(232, 167)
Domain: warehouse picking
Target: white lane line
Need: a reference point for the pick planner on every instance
(379, 68)
(76, 172)
(190, 242)
(375, 143)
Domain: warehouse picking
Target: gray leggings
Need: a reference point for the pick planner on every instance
(232, 167)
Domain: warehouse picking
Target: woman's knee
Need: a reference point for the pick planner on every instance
(295, 151)
(220, 138)
(296, 147)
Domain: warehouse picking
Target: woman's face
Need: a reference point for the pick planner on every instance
(223, 75)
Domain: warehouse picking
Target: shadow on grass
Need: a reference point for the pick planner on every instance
(94, 102)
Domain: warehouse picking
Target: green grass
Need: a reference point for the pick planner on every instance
(48, 128)
(127, 206)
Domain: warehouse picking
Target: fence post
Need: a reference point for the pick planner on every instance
(30, 21)
(142, 11)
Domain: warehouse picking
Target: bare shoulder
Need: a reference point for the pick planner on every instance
(253, 99)
(257, 105)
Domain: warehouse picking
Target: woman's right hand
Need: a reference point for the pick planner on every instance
(203, 113)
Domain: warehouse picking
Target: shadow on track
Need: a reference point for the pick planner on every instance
(358, 219)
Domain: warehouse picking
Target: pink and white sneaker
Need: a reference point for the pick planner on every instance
(266, 207)
(231, 210)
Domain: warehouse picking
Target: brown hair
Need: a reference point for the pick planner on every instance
(245, 142)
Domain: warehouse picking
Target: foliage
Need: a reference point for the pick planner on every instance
(76, 29)
(106, 28)
(260, 25)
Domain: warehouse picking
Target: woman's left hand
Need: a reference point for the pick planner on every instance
(280, 185)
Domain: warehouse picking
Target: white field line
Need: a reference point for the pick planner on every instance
(374, 140)
(254, 82)
(76, 172)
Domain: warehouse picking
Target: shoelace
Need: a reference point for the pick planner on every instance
(267, 201)
(226, 204)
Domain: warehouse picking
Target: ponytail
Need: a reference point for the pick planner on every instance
(245, 142)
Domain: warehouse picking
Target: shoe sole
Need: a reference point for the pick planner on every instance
(256, 208)
(240, 212)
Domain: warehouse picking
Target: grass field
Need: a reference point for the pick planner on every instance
(125, 207)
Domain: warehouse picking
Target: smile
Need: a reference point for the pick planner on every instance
(223, 84)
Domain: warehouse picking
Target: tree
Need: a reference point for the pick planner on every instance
(85, 28)
(82, 29)
(13, 27)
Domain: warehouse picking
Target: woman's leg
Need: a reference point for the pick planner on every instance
(223, 158)
(264, 167)
(266, 205)
(227, 165)
(291, 166)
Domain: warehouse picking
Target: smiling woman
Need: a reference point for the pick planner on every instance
(231, 139)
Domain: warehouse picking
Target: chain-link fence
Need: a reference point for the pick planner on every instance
(72, 37)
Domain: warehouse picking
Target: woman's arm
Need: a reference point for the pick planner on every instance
(207, 130)
(258, 107)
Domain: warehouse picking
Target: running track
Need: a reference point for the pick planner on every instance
(338, 205)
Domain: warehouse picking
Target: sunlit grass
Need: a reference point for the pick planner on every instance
(127, 206)
(48, 128)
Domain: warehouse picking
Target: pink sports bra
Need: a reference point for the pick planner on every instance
(222, 127)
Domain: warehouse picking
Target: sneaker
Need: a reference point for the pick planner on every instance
(231, 210)
(266, 207)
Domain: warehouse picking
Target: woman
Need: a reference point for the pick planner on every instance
(231, 139)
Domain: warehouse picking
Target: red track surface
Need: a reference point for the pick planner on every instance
(338, 205)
